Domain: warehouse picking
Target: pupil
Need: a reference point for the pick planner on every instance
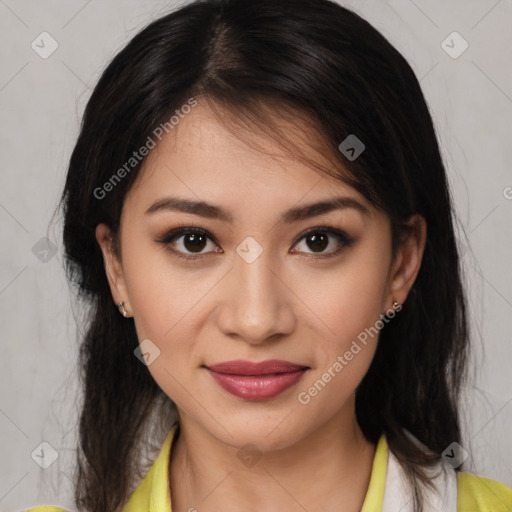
(194, 242)
(318, 241)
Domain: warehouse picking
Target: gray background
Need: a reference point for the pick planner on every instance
(41, 102)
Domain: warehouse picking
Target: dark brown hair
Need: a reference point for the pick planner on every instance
(333, 68)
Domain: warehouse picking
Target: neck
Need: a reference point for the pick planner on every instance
(329, 469)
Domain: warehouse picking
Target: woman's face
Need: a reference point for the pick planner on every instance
(258, 288)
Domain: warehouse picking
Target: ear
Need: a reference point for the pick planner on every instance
(113, 267)
(407, 262)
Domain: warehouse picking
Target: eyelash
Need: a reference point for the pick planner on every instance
(341, 237)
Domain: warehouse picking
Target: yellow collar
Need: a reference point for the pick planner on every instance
(152, 494)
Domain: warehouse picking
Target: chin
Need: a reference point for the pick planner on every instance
(266, 434)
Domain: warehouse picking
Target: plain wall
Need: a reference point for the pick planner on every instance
(41, 102)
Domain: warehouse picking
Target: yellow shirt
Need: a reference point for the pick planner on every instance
(474, 494)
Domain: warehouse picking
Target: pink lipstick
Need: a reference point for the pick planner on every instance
(256, 381)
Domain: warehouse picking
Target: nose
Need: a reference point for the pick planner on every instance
(257, 304)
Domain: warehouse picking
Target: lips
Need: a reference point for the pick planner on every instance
(256, 381)
(241, 367)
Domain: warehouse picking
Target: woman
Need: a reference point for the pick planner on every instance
(258, 212)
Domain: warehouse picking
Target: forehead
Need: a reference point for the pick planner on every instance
(207, 159)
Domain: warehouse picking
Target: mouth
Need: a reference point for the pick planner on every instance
(256, 381)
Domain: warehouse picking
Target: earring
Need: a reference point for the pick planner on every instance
(390, 313)
(122, 310)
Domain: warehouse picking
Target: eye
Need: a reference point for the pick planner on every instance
(318, 239)
(191, 241)
(189, 238)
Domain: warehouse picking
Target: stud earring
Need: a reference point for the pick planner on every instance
(390, 313)
(123, 310)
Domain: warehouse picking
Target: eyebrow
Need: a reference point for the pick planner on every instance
(289, 216)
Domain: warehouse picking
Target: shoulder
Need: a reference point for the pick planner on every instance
(45, 508)
(479, 494)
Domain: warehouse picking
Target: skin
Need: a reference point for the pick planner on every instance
(283, 305)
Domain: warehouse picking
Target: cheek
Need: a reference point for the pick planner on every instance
(160, 289)
(347, 298)
(348, 303)
(163, 302)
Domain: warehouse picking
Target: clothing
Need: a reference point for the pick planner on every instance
(458, 491)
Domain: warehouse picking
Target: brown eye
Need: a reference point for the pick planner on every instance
(187, 242)
(190, 243)
(317, 240)
(194, 242)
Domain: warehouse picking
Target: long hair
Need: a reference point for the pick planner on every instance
(323, 65)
